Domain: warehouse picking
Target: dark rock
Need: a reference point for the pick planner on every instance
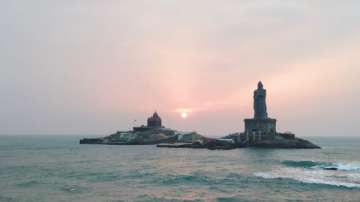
(92, 141)
(296, 143)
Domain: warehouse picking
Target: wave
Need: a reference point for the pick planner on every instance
(316, 172)
(348, 166)
(323, 165)
(309, 179)
(184, 179)
(302, 164)
(74, 189)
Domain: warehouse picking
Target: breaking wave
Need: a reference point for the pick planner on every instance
(323, 165)
(325, 173)
(310, 179)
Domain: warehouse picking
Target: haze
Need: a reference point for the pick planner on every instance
(94, 66)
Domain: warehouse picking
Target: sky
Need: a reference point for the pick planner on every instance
(98, 66)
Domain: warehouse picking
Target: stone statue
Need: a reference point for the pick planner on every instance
(260, 102)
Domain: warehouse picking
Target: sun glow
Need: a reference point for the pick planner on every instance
(184, 115)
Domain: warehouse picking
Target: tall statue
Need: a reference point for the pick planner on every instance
(260, 102)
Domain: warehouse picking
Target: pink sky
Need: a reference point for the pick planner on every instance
(93, 67)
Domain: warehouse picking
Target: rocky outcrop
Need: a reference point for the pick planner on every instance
(296, 143)
(275, 140)
(163, 137)
(145, 136)
(174, 139)
(92, 141)
(211, 144)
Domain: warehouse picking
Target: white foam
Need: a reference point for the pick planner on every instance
(333, 183)
(312, 177)
(265, 175)
(348, 166)
(340, 166)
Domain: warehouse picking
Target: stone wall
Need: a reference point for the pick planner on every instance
(260, 126)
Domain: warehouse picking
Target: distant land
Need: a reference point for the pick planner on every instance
(260, 131)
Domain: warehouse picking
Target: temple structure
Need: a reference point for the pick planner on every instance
(154, 121)
(261, 127)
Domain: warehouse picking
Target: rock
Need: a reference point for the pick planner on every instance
(92, 141)
(296, 143)
(146, 136)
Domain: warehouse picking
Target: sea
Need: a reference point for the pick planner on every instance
(58, 168)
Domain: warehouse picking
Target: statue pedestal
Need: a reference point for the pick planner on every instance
(260, 129)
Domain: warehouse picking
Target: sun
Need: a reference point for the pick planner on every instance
(184, 115)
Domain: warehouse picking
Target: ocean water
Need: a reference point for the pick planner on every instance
(49, 168)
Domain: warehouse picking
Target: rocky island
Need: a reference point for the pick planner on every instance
(151, 134)
(260, 131)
